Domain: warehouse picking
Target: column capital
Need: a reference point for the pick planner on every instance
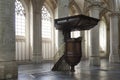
(95, 2)
(96, 5)
(37, 4)
(115, 13)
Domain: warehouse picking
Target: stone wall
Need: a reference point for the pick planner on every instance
(8, 67)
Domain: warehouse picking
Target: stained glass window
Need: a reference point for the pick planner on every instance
(19, 18)
(46, 23)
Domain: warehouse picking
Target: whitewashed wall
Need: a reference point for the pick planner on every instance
(47, 49)
(22, 50)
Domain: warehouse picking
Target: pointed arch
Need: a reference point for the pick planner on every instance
(47, 32)
(22, 31)
(103, 37)
(74, 8)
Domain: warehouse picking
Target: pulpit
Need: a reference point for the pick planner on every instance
(73, 47)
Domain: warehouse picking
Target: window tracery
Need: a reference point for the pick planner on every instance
(46, 23)
(19, 18)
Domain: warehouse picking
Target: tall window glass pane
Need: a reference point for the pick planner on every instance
(46, 23)
(19, 18)
(102, 36)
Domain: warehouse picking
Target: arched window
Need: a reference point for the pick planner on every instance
(21, 48)
(47, 33)
(19, 19)
(102, 36)
(46, 23)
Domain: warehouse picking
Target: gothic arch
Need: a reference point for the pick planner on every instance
(74, 8)
(49, 40)
(49, 9)
(25, 42)
(103, 38)
(25, 5)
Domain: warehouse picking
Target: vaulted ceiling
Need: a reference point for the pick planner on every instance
(80, 4)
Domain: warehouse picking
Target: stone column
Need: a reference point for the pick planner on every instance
(108, 42)
(37, 37)
(8, 67)
(37, 31)
(84, 53)
(114, 37)
(63, 11)
(114, 32)
(94, 56)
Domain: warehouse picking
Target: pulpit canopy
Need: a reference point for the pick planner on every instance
(78, 22)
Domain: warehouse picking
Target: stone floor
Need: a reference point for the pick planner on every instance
(83, 72)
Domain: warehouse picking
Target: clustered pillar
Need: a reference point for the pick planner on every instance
(94, 37)
(37, 31)
(37, 37)
(114, 38)
(8, 67)
(114, 56)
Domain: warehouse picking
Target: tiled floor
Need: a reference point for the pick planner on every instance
(83, 72)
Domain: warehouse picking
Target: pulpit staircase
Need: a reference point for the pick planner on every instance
(60, 64)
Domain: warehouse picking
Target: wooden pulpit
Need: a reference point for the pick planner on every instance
(73, 48)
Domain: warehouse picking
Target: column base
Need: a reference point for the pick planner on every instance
(37, 58)
(114, 58)
(94, 61)
(8, 70)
